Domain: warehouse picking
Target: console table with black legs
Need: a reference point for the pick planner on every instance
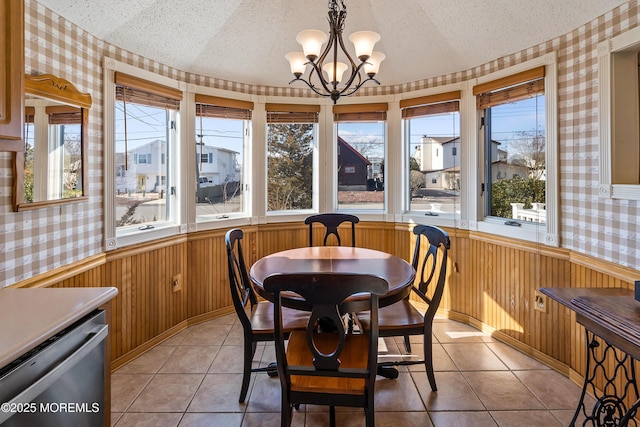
(613, 315)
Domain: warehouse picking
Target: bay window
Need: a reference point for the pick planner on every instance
(517, 155)
(222, 134)
(291, 147)
(360, 156)
(432, 132)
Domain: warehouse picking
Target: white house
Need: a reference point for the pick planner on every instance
(146, 170)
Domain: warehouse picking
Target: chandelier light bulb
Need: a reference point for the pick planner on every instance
(297, 61)
(341, 67)
(311, 41)
(372, 66)
(364, 41)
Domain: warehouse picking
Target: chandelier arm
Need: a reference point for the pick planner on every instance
(358, 86)
(315, 68)
(311, 86)
(355, 71)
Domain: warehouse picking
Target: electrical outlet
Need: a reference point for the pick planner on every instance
(540, 301)
(176, 283)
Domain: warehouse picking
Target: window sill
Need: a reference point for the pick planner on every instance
(132, 235)
(528, 231)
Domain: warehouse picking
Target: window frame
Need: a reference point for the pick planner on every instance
(280, 104)
(417, 216)
(615, 108)
(234, 219)
(547, 233)
(115, 238)
(368, 105)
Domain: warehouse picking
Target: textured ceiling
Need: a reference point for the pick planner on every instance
(246, 41)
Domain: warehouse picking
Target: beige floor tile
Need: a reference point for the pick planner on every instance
(149, 419)
(190, 359)
(175, 339)
(473, 357)
(525, 419)
(456, 332)
(403, 419)
(125, 388)
(206, 334)
(440, 358)
(349, 418)
(513, 358)
(258, 419)
(554, 390)
(211, 420)
(227, 319)
(115, 416)
(397, 395)
(462, 398)
(167, 393)
(565, 416)
(149, 362)
(218, 393)
(502, 391)
(235, 335)
(230, 359)
(265, 394)
(462, 419)
(454, 393)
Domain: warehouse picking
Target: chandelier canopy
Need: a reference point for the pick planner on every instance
(324, 65)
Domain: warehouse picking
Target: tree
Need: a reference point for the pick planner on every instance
(416, 181)
(528, 148)
(28, 172)
(515, 190)
(290, 166)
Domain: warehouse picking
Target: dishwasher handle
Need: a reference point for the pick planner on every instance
(37, 388)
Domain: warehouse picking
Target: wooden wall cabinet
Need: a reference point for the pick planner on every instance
(11, 74)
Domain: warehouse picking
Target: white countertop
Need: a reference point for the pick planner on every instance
(28, 317)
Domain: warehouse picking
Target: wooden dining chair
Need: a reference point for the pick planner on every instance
(331, 222)
(402, 318)
(326, 368)
(256, 317)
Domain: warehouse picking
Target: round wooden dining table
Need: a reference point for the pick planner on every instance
(398, 273)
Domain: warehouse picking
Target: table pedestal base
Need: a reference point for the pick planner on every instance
(610, 409)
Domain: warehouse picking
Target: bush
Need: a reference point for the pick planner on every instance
(515, 190)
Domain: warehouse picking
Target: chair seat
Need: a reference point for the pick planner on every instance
(262, 318)
(395, 316)
(354, 355)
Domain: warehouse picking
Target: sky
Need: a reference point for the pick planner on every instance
(147, 124)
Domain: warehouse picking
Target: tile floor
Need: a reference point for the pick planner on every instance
(193, 379)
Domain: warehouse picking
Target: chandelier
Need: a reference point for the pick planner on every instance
(329, 81)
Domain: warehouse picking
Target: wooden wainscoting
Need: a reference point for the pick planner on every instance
(491, 282)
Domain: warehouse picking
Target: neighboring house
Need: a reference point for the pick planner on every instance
(146, 171)
(216, 165)
(439, 160)
(353, 168)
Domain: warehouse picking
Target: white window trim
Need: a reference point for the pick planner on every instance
(235, 219)
(629, 40)
(392, 135)
(549, 233)
(420, 217)
(127, 236)
(319, 155)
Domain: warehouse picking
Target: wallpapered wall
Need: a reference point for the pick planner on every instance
(36, 241)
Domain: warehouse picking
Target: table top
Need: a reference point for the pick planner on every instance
(611, 313)
(337, 259)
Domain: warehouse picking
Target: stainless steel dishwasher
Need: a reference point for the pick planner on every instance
(60, 382)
